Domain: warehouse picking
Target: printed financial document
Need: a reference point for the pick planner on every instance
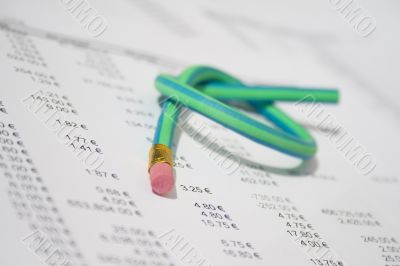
(78, 110)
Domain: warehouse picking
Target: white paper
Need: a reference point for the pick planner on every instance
(77, 115)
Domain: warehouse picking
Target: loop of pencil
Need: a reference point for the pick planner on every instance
(207, 91)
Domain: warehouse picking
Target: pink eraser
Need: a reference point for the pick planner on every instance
(161, 178)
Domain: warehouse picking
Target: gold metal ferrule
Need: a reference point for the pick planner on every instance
(159, 153)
